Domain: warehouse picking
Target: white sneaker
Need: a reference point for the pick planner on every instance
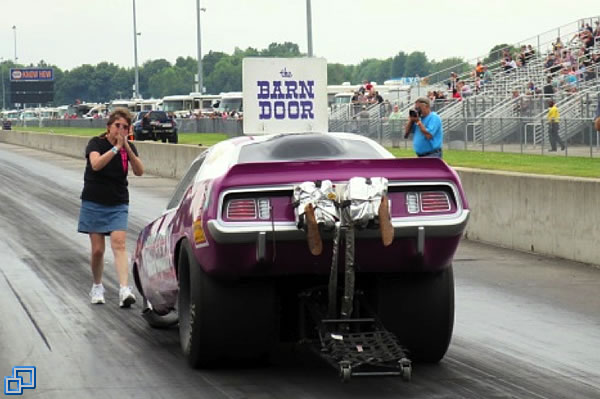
(126, 297)
(97, 293)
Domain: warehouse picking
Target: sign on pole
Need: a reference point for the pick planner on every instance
(31, 85)
(285, 95)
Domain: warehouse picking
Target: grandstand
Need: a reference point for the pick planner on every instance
(510, 107)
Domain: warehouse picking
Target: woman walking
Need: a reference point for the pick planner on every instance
(105, 201)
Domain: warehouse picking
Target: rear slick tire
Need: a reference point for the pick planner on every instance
(419, 309)
(222, 320)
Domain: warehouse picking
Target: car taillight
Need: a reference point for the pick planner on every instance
(427, 202)
(264, 208)
(412, 202)
(435, 201)
(248, 209)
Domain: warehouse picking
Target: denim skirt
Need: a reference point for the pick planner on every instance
(103, 219)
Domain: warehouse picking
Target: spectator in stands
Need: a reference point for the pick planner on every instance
(431, 96)
(465, 89)
(394, 120)
(517, 102)
(377, 98)
(522, 56)
(569, 80)
(557, 46)
(426, 128)
(456, 95)
(548, 88)
(479, 69)
(553, 121)
(453, 81)
(597, 31)
(487, 75)
(531, 90)
(530, 52)
(478, 85)
(509, 64)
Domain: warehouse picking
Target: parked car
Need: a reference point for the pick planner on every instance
(155, 125)
(256, 224)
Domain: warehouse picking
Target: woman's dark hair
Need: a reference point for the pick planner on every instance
(116, 114)
(119, 113)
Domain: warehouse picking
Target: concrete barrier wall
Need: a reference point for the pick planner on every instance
(558, 216)
(159, 159)
(551, 215)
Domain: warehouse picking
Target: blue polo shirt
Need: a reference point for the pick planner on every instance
(433, 124)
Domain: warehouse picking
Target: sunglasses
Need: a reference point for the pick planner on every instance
(121, 125)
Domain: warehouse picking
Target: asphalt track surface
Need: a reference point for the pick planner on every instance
(526, 326)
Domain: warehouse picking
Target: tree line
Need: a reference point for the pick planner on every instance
(221, 73)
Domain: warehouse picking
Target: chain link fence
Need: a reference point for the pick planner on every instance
(525, 135)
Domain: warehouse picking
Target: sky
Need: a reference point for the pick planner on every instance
(69, 33)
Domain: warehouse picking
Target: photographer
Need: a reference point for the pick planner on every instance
(426, 127)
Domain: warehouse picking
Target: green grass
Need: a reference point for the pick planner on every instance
(538, 164)
(207, 139)
(202, 138)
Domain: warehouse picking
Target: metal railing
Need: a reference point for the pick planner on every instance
(526, 135)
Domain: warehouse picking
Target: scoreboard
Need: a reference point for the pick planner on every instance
(32, 85)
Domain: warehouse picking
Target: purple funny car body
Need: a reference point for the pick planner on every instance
(234, 217)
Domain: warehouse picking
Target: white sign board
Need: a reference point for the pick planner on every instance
(285, 95)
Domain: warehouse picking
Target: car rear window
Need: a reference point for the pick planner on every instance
(158, 116)
(294, 147)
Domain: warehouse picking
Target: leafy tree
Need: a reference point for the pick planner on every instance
(416, 64)
(170, 81)
(188, 63)
(146, 71)
(445, 66)
(287, 49)
(227, 76)
(496, 53)
(398, 63)
(338, 74)
(210, 60)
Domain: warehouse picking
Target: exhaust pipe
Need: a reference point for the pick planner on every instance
(159, 321)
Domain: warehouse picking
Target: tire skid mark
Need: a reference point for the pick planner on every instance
(26, 309)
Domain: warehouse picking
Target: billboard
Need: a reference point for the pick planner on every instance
(285, 95)
(31, 74)
(31, 85)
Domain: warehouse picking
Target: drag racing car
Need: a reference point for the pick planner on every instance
(277, 238)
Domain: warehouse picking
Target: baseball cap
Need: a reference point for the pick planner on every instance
(424, 100)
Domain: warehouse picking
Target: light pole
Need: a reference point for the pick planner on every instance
(199, 84)
(14, 28)
(309, 28)
(3, 92)
(137, 72)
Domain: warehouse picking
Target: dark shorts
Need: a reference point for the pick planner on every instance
(432, 154)
(103, 219)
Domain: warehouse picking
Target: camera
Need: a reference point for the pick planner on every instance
(413, 113)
